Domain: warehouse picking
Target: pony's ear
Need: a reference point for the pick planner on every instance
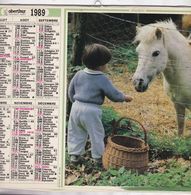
(158, 33)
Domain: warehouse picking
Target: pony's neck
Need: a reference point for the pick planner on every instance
(178, 47)
(179, 53)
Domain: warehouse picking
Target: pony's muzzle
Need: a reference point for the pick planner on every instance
(140, 85)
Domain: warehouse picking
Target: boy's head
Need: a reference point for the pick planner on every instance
(96, 55)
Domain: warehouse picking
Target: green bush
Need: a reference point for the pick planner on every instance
(73, 69)
(168, 146)
(160, 147)
(125, 54)
(108, 115)
(182, 147)
(163, 147)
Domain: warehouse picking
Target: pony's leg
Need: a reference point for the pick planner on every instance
(180, 114)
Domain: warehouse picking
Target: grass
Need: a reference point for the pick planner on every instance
(175, 174)
(171, 174)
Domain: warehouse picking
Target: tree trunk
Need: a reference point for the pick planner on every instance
(79, 38)
(79, 26)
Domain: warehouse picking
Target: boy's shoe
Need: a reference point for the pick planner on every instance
(74, 159)
(97, 161)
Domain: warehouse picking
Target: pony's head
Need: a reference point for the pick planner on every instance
(152, 55)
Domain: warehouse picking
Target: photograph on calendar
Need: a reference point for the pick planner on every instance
(129, 81)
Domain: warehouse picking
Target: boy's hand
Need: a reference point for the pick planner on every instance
(128, 98)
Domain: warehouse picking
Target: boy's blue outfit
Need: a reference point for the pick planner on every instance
(87, 91)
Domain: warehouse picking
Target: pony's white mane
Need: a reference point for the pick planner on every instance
(167, 24)
(147, 32)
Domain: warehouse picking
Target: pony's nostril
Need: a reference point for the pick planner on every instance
(141, 81)
(138, 82)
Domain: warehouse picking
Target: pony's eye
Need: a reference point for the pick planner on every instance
(155, 53)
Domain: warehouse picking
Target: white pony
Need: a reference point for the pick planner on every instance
(163, 49)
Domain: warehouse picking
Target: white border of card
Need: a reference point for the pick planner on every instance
(102, 2)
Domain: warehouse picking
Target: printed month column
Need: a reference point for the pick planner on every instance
(5, 128)
(22, 158)
(46, 136)
(30, 91)
(23, 95)
(47, 98)
(5, 96)
(24, 54)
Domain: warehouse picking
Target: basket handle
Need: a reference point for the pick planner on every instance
(115, 124)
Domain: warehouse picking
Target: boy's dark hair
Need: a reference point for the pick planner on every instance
(95, 55)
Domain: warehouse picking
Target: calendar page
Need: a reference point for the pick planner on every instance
(41, 51)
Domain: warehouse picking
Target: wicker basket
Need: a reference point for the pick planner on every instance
(125, 151)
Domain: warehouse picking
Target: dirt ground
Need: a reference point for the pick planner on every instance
(152, 108)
